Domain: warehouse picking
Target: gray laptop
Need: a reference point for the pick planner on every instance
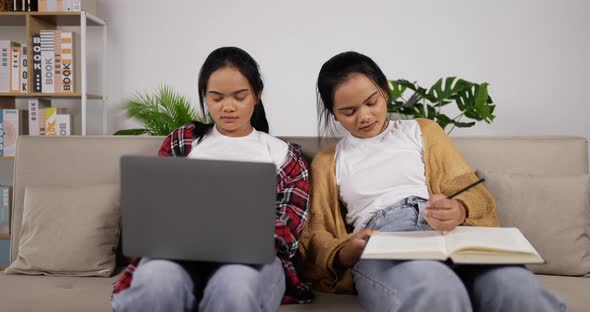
(201, 210)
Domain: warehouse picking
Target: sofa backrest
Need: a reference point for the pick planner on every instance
(65, 161)
(525, 155)
(76, 160)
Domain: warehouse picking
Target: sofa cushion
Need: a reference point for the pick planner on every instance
(552, 212)
(50, 293)
(573, 290)
(68, 231)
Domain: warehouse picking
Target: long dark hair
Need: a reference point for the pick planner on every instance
(243, 62)
(336, 71)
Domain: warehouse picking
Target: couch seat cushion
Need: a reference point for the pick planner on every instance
(325, 302)
(48, 293)
(574, 290)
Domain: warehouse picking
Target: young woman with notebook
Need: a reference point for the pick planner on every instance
(395, 176)
(231, 86)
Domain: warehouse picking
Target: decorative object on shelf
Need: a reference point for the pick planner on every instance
(160, 113)
(5, 5)
(472, 99)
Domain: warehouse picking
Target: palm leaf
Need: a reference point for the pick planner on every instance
(160, 113)
(130, 132)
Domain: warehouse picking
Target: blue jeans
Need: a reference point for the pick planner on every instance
(165, 285)
(426, 285)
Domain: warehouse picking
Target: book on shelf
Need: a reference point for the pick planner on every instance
(17, 5)
(51, 121)
(56, 122)
(32, 5)
(66, 50)
(2, 134)
(464, 244)
(47, 61)
(67, 5)
(16, 81)
(5, 200)
(24, 71)
(7, 49)
(14, 123)
(35, 106)
(53, 61)
(36, 63)
(57, 60)
(63, 124)
(15, 71)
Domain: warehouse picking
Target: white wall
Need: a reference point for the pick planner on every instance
(534, 53)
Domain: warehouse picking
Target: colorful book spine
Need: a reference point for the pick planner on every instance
(5, 65)
(63, 124)
(47, 62)
(42, 5)
(1, 133)
(11, 130)
(36, 106)
(24, 77)
(57, 61)
(42, 122)
(15, 71)
(4, 209)
(37, 63)
(69, 5)
(67, 62)
(51, 121)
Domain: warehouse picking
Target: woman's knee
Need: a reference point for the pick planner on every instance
(514, 288)
(433, 277)
(243, 287)
(162, 276)
(410, 284)
(511, 282)
(157, 285)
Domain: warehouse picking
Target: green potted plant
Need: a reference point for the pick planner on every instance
(159, 113)
(472, 100)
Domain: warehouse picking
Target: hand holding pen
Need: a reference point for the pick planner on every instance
(445, 213)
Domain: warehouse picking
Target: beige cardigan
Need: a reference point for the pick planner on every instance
(326, 230)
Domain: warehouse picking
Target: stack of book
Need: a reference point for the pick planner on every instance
(42, 119)
(47, 120)
(52, 63)
(47, 5)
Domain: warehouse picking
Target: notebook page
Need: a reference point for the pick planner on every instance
(487, 238)
(405, 245)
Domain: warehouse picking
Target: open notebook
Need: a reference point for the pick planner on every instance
(465, 244)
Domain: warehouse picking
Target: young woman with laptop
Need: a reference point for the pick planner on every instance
(230, 86)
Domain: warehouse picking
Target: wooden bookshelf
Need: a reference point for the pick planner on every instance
(33, 23)
(52, 95)
(55, 18)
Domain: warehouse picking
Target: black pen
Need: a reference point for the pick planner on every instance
(466, 188)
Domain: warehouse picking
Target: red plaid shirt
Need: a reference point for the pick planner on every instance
(291, 214)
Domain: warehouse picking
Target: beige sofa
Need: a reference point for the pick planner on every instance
(91, 160)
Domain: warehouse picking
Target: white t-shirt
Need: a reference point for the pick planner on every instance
(377, 172)
(256, 147)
